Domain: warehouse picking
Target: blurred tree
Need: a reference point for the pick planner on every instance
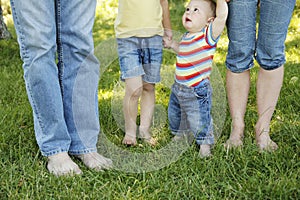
(4, 33)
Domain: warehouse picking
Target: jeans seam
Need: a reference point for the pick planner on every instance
(59, 45)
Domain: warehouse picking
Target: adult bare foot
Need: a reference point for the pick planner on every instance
(264, 142)
(61, 164)
(95, 161)
(234, 141)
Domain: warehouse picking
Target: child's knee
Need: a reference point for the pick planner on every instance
(149, 87)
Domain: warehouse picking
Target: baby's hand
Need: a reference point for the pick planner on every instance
(167, 42)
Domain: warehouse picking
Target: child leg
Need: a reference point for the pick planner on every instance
(203, 125)
(147, 109)
(133, 91)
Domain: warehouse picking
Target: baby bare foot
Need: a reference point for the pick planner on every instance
(264, 142)
(61, 164)
(187, 137)
(95, 161)
(177, 138)
(204, 151)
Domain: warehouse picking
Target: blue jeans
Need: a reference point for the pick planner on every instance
(140, 57)
(268, 47)
(62, 93)
(189, 111)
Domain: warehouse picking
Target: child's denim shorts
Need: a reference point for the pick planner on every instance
(189, 111)
(140, 57)
(267, 47)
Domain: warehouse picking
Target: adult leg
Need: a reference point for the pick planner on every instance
(241, 26)
(268, 89)
(133, 91)
(79, 79)
(35, 24)
(273, 25)
(238, 85)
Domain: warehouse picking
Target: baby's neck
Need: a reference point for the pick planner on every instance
(191, 34)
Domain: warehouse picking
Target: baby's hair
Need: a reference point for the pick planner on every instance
(212, 5)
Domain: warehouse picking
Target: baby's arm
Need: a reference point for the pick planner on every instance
(166, 19)
(221, 16)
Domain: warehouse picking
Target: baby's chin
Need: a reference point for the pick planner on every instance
(191, 30)
(187, 26)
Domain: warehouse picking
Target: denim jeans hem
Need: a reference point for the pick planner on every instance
(207, 140)
(238, 70)
(135, 72)
(151, 80)
(181, 132)
(83, 151)
(270, 68)
(51, 153)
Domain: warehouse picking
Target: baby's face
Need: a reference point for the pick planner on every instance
(195, 16)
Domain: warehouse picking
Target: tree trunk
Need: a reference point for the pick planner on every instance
(4, 33)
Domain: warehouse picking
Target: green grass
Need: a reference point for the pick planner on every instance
(168, 173)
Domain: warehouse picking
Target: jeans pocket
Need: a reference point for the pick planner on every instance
(203, 92)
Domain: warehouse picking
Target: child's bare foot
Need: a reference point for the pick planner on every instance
(204, 150)
(129, 140)
(95, 161)
(61, 164)
(146, 137)
(264, 142)
(187, 137)
(178, 137)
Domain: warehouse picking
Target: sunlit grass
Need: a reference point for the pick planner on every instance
(238, 174)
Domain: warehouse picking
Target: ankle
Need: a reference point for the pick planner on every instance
(144, 133)
(262, 135)
(237, 128)
(260, 130)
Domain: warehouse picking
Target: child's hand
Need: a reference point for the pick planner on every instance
(168, 33)
(171, 44)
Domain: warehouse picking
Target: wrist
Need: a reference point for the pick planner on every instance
(172, 45)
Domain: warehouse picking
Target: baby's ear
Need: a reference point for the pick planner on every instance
(209, 20)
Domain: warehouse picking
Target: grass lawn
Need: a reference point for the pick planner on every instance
(169, 170)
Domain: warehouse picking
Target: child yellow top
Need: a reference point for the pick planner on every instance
(139, 18)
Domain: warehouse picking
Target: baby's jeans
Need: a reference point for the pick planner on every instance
(189, 111)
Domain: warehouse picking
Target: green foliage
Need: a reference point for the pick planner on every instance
(237, 174)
